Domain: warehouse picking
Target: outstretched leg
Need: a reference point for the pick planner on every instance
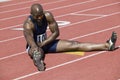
(64, 45)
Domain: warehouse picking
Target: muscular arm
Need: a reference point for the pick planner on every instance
(53, 26)
(28, 34)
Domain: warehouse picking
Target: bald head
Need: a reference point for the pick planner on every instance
(36, 9)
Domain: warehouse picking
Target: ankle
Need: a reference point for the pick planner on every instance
(107, 45)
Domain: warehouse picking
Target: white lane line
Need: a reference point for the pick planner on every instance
(50, 9)
(10, 27)
(92, 19)
(99, 7)
(2, 19)
(47, 10)
(23, 2)
(76, 14)
(4, 1)
(11, 39)
(115, 27)
(6, 57)
(94, 8)
(72, 5)
(68, 25)
(60, 65)
(3, 12)
(90, 34)
(61, 15)
(65, 14)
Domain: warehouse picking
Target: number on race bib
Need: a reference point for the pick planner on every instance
(41, 38)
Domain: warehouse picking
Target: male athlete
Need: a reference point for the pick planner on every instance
(38, 43)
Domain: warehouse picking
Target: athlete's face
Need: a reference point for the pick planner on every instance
(38, 17)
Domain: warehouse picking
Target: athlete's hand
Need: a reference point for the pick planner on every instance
(38, 49)
(34, 48)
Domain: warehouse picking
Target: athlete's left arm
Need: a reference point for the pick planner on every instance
(53, 26)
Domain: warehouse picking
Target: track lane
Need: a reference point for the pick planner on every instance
(104, 11)
(116, 20)
(103, 66)
(13, 3)
(76, 33)
(32, 64)
(49, 57)
(11, 52)
(57, 15)
(47, 6)
(19, 18)
(19, 33)
(104, 62)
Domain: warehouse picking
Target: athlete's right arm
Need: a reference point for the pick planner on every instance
(28, 34)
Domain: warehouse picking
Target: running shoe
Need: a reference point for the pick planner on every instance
(37, 59)
(112, 41)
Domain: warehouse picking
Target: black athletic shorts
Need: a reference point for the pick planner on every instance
(48, 48)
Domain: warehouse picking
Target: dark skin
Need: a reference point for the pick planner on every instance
(63, 45)
(29, 28)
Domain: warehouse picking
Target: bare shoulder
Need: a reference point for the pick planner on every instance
(49, 16)
(28, 24)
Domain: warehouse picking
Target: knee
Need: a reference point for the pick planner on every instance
(81, 46)
(75, 45)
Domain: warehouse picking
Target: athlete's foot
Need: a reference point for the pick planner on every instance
(112, 41)
(37, 59)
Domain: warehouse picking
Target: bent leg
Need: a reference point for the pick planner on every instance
(64, 45)
(37, 58)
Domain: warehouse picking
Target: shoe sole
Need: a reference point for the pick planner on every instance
(112, 41)
(38, 62)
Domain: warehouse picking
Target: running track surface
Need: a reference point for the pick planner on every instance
(90, 21)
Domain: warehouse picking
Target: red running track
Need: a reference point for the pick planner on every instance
(90, 21)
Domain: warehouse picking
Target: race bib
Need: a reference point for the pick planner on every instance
(41, 38)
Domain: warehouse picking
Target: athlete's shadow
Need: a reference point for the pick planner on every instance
(117, 47)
